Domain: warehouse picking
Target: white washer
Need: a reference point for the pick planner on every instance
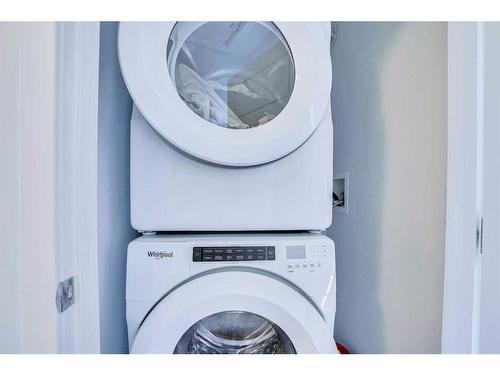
(231, 126)
(231, 294)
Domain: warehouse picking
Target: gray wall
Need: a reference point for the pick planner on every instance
(390, 115)
(115, 231)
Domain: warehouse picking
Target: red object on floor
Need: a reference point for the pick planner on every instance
(342, 349)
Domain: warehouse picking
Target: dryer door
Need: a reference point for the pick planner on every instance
(234, 312)
(231, 93)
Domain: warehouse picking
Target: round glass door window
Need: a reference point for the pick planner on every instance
(234, 332)
(236, 75)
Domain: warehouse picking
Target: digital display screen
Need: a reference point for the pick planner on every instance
(295, 252)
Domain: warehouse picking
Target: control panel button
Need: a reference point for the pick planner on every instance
(197, 254)
(271, 253)
(208, 251)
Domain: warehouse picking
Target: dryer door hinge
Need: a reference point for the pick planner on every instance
(65, 294)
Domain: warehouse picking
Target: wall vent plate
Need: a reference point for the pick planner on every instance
(341, 190)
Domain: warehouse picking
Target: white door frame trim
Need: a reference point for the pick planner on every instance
(77, 78)
(464, 209)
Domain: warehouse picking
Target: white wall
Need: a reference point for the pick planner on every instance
(472, 281)
(489, 323)
(28, 280)
(390, 115)
(114, 229)
(462, 260)
(10, 275)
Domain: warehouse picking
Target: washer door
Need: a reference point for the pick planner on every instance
(231, 93)
(234, 312)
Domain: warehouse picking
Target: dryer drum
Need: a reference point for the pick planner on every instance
(236, 75)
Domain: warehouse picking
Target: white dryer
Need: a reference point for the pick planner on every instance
(231, 127)
(231, 294)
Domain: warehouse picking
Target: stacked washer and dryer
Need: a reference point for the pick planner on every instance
(231, 186)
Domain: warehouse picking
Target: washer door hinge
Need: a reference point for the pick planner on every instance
(65, 294)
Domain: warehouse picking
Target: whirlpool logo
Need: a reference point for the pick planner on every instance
(158, 255)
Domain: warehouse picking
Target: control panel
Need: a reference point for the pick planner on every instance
(300, 260)
(233, 253)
